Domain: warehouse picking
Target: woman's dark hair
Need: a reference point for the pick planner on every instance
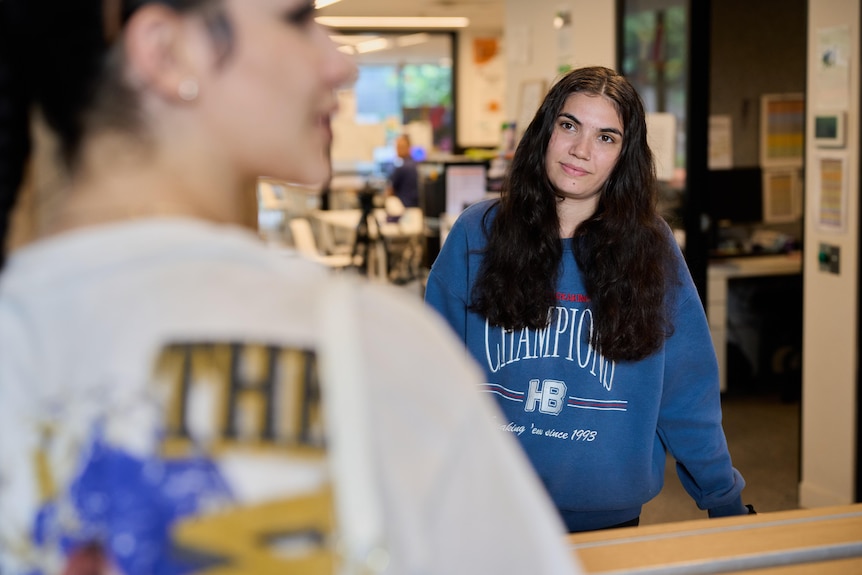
(73, 65)
(14, 141)
(61, 57)
(623, 249)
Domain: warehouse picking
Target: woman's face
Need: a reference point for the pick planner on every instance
(584, 147)
(269, 102)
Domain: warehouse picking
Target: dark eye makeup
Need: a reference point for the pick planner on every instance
(301, 15)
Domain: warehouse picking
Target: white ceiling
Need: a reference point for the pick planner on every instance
(483, 14)
(434, 49)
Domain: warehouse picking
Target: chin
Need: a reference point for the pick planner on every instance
(318, 177)
(303, 170)
(311, 179)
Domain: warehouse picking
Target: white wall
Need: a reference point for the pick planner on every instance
(830, 363)
(481, 91)
(533, 45)
(531, 49)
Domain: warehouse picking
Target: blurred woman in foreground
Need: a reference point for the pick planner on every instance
(169, 388)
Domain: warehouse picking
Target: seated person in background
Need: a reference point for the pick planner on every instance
(167, 381)
(404, 181)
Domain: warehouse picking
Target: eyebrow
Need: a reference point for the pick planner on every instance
(579, 123)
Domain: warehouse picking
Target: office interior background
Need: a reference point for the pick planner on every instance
(722, 70)
(755, 114)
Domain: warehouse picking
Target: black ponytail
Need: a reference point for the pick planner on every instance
(50, 57)
(14, 120)
(64, 49)
(55, 55)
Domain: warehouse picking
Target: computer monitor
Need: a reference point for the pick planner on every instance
(466, 184)
(452, 184)
(735, 195)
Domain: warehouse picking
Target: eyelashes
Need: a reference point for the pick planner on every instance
(301, 16)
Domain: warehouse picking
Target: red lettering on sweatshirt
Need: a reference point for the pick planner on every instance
(573, 297)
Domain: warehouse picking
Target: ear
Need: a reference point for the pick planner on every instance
(161, 46)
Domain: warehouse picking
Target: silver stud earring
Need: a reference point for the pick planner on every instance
(188, 89)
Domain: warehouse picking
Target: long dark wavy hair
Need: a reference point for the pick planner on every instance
(623, 249)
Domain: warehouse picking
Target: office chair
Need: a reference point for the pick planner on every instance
(306, 244)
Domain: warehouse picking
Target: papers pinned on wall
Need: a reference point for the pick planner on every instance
(661, 137)
(720, 142)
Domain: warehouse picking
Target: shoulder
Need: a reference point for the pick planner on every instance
(680, 283)
(479, 214)
(667, 242)
(488, 205)
(664, 227)
(470, 229)
(401, 332)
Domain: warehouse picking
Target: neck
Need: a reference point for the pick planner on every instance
(573, 213)
(118, 184)
(87, 210)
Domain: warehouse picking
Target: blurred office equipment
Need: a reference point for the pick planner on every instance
(447, 185)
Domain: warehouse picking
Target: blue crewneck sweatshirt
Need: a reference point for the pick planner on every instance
(597, 432)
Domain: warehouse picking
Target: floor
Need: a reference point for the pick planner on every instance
(762, 429)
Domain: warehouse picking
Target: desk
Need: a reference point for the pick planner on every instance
(826, 541)
(341, 219)
(719, 273)
(380, 229)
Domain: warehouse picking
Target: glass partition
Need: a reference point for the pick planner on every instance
(405, 85)
(654, 58)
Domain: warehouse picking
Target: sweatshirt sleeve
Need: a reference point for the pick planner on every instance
(690, 415)
(447, 289)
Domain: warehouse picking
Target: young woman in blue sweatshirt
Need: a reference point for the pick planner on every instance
(572, 294)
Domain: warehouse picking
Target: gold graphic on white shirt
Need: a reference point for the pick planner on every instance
(250, 403)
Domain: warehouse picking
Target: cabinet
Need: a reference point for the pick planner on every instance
(719, 275)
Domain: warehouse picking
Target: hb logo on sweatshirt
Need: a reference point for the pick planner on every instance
(550, 398)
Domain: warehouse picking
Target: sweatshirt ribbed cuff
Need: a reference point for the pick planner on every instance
(735, 508)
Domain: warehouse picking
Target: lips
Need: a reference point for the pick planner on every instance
(573, 170)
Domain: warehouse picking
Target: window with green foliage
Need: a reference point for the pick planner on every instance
(402, 83)
(654, 59)
(426, 85)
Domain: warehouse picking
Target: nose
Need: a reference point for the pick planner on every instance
(340, 68)
(347, 71)
(581, 148)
